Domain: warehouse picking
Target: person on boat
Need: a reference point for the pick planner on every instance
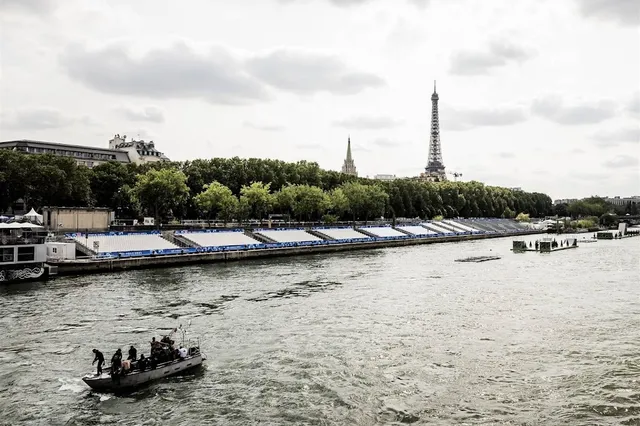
(183, 352)
(100, 358)
(133, 354)
(116, 360)
(142, 363)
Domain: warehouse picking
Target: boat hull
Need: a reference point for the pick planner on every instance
(105, 383)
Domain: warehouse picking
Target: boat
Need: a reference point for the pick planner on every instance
(22, 252)
(136, 378)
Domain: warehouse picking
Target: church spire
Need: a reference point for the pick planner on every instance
(349, 167)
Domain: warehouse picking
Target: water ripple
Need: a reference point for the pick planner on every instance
(395, 336)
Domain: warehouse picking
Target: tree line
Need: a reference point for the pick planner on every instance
(235, 188)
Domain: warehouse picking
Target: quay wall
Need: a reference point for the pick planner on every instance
(96, 266)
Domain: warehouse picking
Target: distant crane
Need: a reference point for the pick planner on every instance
(455, 175)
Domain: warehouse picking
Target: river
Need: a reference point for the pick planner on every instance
(387, 336)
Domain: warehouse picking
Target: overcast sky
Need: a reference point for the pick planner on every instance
(538, 94)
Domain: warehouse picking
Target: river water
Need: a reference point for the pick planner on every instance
(388, 336)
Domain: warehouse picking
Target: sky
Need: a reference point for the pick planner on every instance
(538, 94)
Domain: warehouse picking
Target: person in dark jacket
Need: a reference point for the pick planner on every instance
(100, 358)
(133, 354)
(116, 360)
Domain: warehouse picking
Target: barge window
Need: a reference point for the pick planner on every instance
(6, 254)
(26, 254)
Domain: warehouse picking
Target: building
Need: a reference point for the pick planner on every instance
(140, 152)
(84, 155)
(349, 167)
(435, 170)
(77, 219)
(385, 177)
(622, 201)
(564, 201)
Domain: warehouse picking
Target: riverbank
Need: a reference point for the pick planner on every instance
(97, 266)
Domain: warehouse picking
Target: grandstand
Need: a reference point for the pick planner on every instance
(288, 235)
(480, 225)
(383, 232)
(123, 242)
(342, 233)
(462, 227)
(416, 230)
(218, 238)
(436, 228)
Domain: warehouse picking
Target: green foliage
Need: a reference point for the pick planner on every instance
(256, 200)
(593, 206)
(217, 201)
(609, 220)
(508, 213)
(259, 187)
(438, 217)
(161, 191)
(523, 217)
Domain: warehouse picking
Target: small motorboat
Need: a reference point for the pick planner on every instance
(109, 381)
(136, 378)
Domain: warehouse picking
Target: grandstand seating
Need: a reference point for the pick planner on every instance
(384, 231)
(288, 235)
(219, 239)
(118, 242)
(416, 230)
(342, 233)
(436, 228)
(461, 226)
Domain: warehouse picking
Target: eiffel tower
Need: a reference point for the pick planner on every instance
(435, 166)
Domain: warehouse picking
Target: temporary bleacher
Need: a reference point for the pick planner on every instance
(118, 242)
(231, 238)
(288, 235)
(346, 234)
(480, 225)
(417, 230)
(436, 228)
(384, 232)
(461, 226)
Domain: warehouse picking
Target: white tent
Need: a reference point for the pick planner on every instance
(34, 216)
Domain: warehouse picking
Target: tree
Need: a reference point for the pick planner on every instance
(609, 219)
(523, 217)
(107, 181)
(256, 199)
(161, 191)
(508, 213)
(310, 201)
(339, 204)
(217, 200)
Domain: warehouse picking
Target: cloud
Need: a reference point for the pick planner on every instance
(368, 122)
(465, 119)
(506, 155)
(38, 118)
(385, 142)
(622, 161)
(500, 53)
(305, 72)
(612, 138)
(633, 107)
(147, 113)
(217, 76)
(553, 108)
(264, 127)
(177, 71)
(310, 146)
(623, 12)
(349, 3)
(29, 7)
